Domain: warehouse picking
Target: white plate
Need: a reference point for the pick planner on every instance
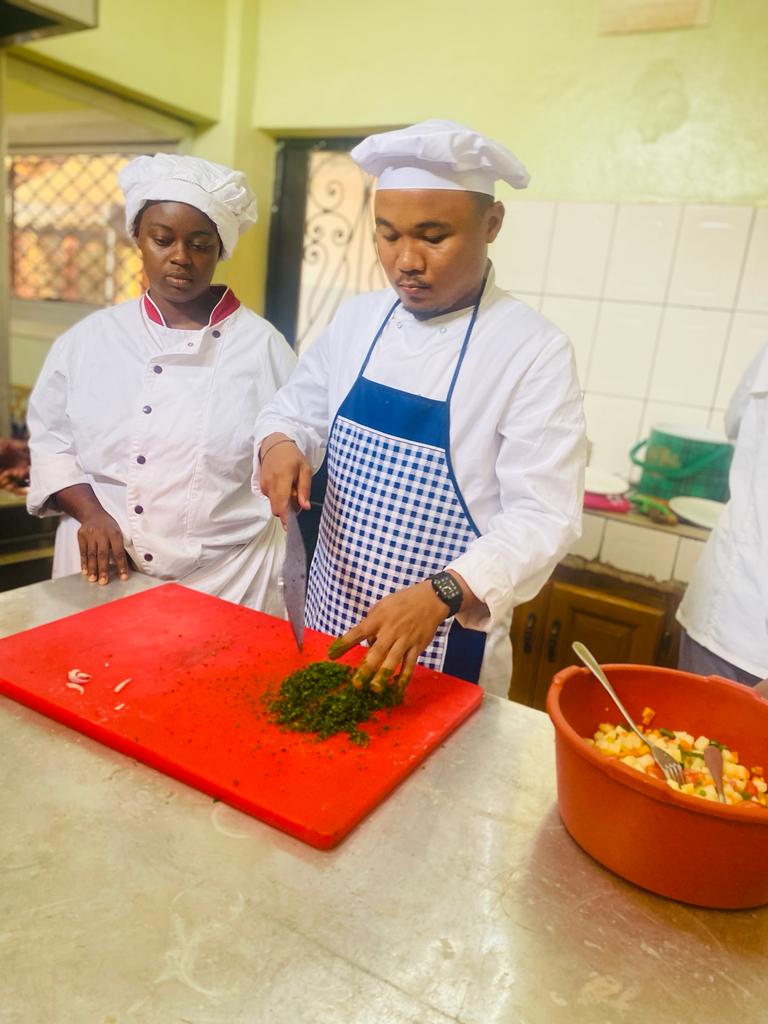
(699, 511)
(597, 481)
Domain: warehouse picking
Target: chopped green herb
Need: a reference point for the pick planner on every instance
(668, 734)
(321, 699)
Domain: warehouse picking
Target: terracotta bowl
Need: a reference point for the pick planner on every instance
(680, 846)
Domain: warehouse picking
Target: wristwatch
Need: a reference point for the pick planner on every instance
(448, 590)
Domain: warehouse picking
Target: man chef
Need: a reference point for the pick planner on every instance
(452, 420)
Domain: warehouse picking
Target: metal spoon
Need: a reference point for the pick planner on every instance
(713, 758)
(671, 768)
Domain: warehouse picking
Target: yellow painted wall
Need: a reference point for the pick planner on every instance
(237, 142)
(677, 115)
(23, 98)
(190, 58)
(168, 53)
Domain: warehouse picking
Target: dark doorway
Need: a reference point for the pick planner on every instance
(320, 252)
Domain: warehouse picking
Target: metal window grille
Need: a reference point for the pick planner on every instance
(339, 258)
(67, 233)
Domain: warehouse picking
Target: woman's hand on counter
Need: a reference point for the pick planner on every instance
(100, 540)
(99, 537)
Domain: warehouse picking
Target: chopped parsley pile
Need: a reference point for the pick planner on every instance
(320, 699)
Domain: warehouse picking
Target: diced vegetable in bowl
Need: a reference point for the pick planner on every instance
(677, 841)
(740, 783)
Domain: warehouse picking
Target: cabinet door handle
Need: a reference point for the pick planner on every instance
(530, 622)
(552, 642)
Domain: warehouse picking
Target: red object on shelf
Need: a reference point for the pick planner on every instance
(606, 502)
(198, 669)
(676, 845)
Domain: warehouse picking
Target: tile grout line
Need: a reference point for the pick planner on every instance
(734, 309)
(664, 308)
(548, 255)
(644, 302)
(601, 297)
(649, 529)
(602, 538)
(635, 398)
(674, 560)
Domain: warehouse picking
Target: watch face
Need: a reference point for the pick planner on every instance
(448, 590)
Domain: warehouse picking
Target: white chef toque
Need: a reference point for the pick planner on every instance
(440, 155)
(219, 192)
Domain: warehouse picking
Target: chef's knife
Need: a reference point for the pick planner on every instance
(295, 575)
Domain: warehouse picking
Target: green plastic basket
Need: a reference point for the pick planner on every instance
(684, 460)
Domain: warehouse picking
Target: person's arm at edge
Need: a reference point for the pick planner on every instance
(740, 397)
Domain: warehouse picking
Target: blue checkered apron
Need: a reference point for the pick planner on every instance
(393, 513)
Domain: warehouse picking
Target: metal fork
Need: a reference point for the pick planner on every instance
(672, 769)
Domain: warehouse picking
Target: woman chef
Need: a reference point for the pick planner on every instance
(453, 423)
(141, 422)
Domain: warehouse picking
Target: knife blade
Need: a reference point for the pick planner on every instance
(294, 578)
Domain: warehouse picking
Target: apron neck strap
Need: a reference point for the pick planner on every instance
(378, 334)
(464, 344)
(467, 336)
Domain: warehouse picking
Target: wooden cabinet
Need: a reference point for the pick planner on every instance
(618, 622)
(529, 624)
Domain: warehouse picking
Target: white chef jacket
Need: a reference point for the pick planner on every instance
(517, 434)
(725, 607)
(159, 421)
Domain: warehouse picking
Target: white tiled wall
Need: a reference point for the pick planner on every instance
(635, 549)
(665, 304)
(645, 551)
(688, 555)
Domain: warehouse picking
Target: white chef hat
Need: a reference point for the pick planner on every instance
(440, 155)
(219, 192)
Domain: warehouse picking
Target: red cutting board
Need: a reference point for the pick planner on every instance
(198, 668)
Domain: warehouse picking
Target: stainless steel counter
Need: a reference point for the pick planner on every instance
(127, 898)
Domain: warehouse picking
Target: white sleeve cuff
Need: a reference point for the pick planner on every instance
(489, 584)
(48, 476)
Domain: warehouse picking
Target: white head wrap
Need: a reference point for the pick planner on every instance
(217, 191)
(440, 155)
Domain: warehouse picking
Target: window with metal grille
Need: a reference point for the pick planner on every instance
(322, 248)
(67, 232)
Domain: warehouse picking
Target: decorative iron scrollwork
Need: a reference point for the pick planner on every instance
(339, 258)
